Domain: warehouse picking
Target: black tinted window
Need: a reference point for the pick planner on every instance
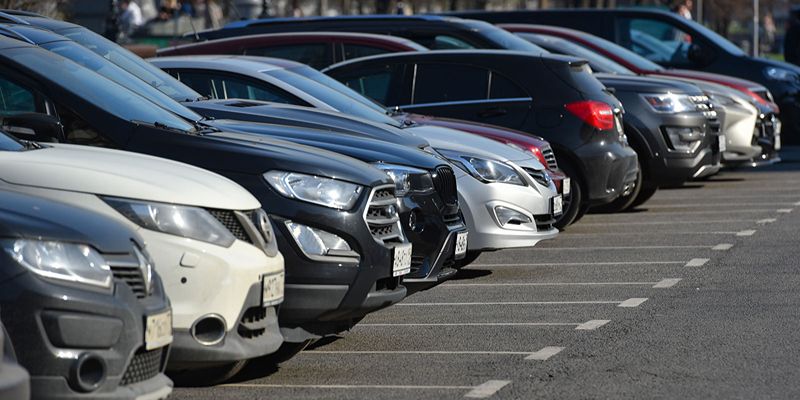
(449, 82)
(317, 55)
(359, 50)
(15, 99)
(503, 88)
(657, 41)
(224, 86)
(373, 84)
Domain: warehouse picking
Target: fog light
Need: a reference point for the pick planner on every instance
(315, 241)
(506, 216)
(685, 139)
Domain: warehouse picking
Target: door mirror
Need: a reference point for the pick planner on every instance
(33, 126)
(699, 55)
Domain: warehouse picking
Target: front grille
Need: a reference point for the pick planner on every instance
(381, 216)
(228, 219)
(550, 157)
(131, 275)
(544, 221)
(540, 177)
(444, 180)
(143, 366)
(251, 325)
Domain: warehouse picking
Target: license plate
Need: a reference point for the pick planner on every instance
(558, 205)
(401, 263)
(722, 143)
(565, 186)
(272, 289)
(461, 243)
(777, 142)
(158, 330)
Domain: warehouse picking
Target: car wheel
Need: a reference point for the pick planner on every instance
(574, 206)
(645, 194)
(208, 376)
(622, 203)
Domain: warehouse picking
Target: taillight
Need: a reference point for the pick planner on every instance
(595, 113)
(538, 154)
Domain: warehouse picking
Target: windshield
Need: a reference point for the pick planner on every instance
(100, 65)
(331, 97)
(599, 63)
(504, 39)
(620, 52)
(132, 63)
(7, 143)
(95, 89)
(331, 83)
(715, 38)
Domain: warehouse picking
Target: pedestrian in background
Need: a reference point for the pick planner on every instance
(130, 17)
(684, 8)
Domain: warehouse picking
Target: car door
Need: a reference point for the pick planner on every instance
(663, 41)
(468, 92)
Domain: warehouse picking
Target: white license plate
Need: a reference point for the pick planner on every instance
(461, 243)
(565, 186)
(158, 330)
(722, 143)
(272, 289)
(401, 263)
(558, 205)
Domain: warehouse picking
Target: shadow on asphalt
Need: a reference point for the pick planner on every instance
(470, 273)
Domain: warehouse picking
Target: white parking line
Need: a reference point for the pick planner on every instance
(545, 353)
(378, 325)
(697, 262)
(666, 283)
(634, 302)
(511, 303)
(646, 233)
(722, 247)
(487, 389)
(279, 386)
(578, 264)
(711, 221)
(592, 325)
(725, 205)
(784, 210)
(611, 248)
(463, 285)
(746, 232)
(725, 197)
(766, 221)
(421, 352)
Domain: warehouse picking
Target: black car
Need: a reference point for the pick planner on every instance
(434, 215)
(791, 39)
(79, 328)
(552, 96)
(343, 245)
(675, 42)
(14, 380)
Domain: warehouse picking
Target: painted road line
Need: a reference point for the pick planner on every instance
(746, 232)
(578, 264)
(611, 248)
(752, 210)
(766, 221)
(646, 233)
(463, 285)
(722, 247)
(402, 387)
(711, 221)
(545, 353)
(510, 303)
(633, 302)
(696, 262)
(379, 325)
(797, 203)
(718, 205)
(486, 389)
(666, 283)
(784, 210)
(592, 325)
(421, 352)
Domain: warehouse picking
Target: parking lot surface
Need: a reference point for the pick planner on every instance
(693, 295)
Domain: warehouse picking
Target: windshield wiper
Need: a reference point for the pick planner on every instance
(29, 145)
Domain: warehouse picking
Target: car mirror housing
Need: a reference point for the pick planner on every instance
(33, 126)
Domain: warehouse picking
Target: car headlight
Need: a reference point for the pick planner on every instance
(669, 103)
(781, 74)
(407, 179)
(184, 221)
(489, 171)
(68, 262)
(723, 100)
(326, 192)
(685, 139)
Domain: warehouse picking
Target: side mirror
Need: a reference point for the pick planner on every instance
(36, 127)
(699, 55)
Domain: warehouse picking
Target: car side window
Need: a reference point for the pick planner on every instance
(224, 86)
(501, 87)
(15, 99)
(374, 84)
(78, 131)
(317, 55)
(437, 83)
(360, 50)
(657, 41)
(446, 42)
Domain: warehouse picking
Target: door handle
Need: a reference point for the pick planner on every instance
(493, 112)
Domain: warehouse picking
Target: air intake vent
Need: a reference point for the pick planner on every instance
(229, 220)
(444, 180)
(381, 215)
(131, 275)
(550, 157)
(143, 366)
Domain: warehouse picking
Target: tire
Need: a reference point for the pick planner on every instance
(623, 203)
(208, 376)
(574, 204)
(645, 194)
(468, 259)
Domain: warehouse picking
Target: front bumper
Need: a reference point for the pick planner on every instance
(51, 336)
(14, 380)
(610, 169)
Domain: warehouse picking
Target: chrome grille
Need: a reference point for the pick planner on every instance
(444, 180)
(228, 219)
(131, 275)
(381, 215)
(143, 366)
(550, 157)
(540, 177)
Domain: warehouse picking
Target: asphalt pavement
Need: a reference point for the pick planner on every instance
(694, 295)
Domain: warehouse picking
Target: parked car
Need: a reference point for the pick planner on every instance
(111, 338)
(791, 39)
(555, 97)
(768, 126)
(687, 46)
(319, 202)
(316, 49)
(14, 380)
(220, 266)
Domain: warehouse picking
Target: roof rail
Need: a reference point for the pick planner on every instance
(5, 31)
(6, 17)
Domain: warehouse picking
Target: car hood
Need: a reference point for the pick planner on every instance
(468, 143)
(712, 77)
(32, 217)
(491, 131)
(122, 174)
(271, 113)
(646, 84)
(359, 147)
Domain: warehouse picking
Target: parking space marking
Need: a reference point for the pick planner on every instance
(722, 247)
(615, 248)
(545, 353)
(486, 389)
(784, 210)
(404, 387)
(696, 262)
(462, 285)
(421, 352)
(711, 221)
(592, 325)
(522, 324)
(647, 233)
(666, 283)
(766, 221)
(633, 302)
(718, 205)
(797, 203)
(578, 264)
(746, 232)
(514, 303)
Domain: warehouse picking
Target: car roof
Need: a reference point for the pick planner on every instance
(246, 65)
(618, 10)
(344, 18)
(471, 55)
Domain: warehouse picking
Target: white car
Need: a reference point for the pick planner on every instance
(507, 197)
(210, 241)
